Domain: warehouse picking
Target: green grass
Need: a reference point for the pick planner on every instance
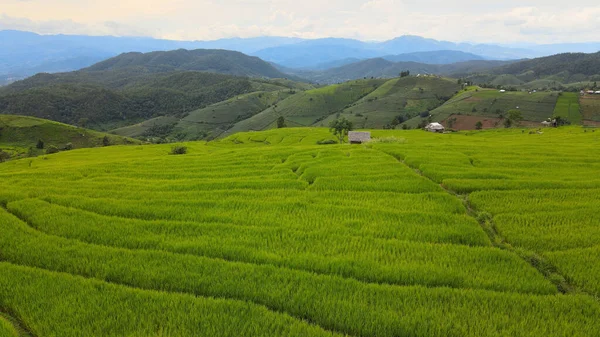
(7, 329)
(568, 107)
(19, 133)
(485, 233)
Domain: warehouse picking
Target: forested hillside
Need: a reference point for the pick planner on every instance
(22, 136)
(218, 61)
(135, 87)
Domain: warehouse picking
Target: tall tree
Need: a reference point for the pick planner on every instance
(340, 128)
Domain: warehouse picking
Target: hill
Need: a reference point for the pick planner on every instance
(216, 61)
(136, 87)
(309, 107)
(398, 100)
(370, 103)
(383, 68)
(209, 122)
(434, 57)
(493, 104)
(560, 71)
(68, 99)
(571, 63)
(19, 136)
(270, 234)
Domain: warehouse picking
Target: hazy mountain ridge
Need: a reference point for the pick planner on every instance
(24, 54)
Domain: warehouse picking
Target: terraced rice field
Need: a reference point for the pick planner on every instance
(490, 233)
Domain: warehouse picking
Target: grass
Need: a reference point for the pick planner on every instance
(269, 234)
(19, 134)
(568, 107)
(7, 329)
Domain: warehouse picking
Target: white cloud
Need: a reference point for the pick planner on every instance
(499, 22)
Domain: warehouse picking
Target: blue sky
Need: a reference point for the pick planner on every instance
(475, 21)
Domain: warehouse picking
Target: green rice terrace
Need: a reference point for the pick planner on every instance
(481, 233)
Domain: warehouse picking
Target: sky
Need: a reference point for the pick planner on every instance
(507, 22)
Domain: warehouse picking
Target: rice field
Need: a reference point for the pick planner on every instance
(490, 233)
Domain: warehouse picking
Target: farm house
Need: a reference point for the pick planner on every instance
(357, 137)
(435, 127)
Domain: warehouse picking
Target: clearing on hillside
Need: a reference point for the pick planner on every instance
(535, 107)
(590, 107)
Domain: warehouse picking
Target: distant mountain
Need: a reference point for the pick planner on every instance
(557, 71)
(382, 68)
(210, 60)
(313, 53)
(308, 54)
(434, 57)
(573, 63)
(24, 54)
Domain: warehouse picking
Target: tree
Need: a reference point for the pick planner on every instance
(83, 122)
(105, 141)
(40, 144)
(479, 125)
(281, 122)
(507, 123)
(52, 149)
(515, 116)
(340, 128)
(405, 73)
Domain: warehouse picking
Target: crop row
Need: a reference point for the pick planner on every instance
(416, 226)
(323, 251)
(7, 329)
(332, 302)
(55, 304)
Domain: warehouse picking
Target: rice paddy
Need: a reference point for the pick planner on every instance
(489, 233)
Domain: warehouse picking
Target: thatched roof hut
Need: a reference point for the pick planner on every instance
(358, 137)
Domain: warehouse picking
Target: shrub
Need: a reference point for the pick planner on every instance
(388, 140)
(4, 156)
(40, 144)
(52, 149)
(105, 141)
(179, 150)
(68, 146)
(326, 142)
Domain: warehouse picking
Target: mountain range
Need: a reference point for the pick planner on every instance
(24, 54)
(203, 94)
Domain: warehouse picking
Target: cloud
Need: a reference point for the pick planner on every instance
(498, 22)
